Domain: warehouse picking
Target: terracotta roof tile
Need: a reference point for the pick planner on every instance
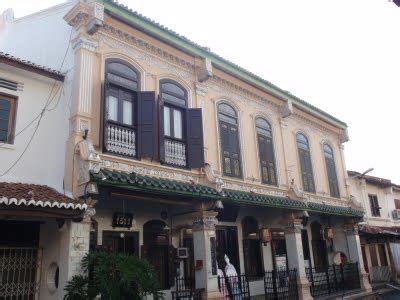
(36, 195)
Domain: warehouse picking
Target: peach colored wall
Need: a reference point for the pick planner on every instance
(155, 60)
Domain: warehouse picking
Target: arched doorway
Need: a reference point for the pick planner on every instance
(320, 254)
(157, 251)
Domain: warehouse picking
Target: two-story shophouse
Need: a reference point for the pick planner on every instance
(379, 232)
(193, 160)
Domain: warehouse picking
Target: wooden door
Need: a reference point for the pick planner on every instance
(227, 243)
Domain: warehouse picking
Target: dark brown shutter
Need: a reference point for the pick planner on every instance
(332, 177)
(397, 203)
(194, 135)
(161, 147)
(147, 124)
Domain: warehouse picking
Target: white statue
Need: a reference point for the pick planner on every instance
(232, 279)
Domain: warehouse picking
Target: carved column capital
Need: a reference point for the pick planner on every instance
(84, 43)
(204, 220)
(351, 229)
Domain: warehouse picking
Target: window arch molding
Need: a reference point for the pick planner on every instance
(242, 151)
(127, 60)
(331, 168)
(174, 79)
(307, 187)
(266, 177)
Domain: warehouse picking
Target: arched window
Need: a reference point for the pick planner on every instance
(121, 86)
(266, 151)
(331, 170)
(305, 163)
(229, 135)
(174, 99)
(253, 263)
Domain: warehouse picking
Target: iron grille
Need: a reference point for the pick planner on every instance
(19, 273)
(281, 284)
(333, 279)
(234, 287)
(182, 284)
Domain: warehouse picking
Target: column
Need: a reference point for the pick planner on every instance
(205, 256)
(355, 255)
(295, 257)
(74, 244)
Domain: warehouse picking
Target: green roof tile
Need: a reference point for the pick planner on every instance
(134, 181)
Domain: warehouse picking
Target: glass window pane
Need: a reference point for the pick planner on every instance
(167, 122)
(170, 98)
(4, 114)
(112, 108)
(121, 80)
(3, 136)
(226, 109)
(173, 88)
(227, 119)
(127, 113)
(123, 69)
(177, 124)
(262, 123)
(3, 125)
(5, 104)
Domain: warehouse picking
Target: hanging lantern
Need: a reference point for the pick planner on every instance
(328, 233)
(265, 235)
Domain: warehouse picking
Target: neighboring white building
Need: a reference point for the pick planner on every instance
(380, 233)
(35, 100)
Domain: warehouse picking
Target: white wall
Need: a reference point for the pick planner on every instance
(43, 161)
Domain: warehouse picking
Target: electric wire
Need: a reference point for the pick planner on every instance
(48, 101)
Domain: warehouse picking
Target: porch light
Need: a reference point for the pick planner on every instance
(265, 236)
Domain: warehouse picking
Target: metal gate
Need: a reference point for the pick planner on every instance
(19, 273)
(281, 284)
(326, 280)
(234, 287)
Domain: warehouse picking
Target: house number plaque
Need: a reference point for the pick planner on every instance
(122, 220)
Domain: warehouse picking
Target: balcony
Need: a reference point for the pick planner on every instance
(120, 139)
(175, 153)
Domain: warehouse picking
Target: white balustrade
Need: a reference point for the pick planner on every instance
(175, 153)
(120, 140)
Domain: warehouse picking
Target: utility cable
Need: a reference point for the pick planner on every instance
(48, 101)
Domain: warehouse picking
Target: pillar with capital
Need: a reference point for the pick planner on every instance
(355, 255)
(205, 260)
(295, 257)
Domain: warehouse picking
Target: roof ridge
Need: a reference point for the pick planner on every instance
(234, 65)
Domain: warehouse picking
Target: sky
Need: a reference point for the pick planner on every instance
(341, 56)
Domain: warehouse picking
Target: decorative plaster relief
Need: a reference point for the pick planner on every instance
(153, 171)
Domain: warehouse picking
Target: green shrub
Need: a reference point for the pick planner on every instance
(114, 276)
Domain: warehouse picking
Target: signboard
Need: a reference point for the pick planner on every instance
(122, 220)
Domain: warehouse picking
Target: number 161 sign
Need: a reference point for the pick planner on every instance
(122, 220)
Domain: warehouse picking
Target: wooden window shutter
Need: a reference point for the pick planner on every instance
(332, 177)
(147, 124)
(194, 134)
(161, 145)
(397, 203)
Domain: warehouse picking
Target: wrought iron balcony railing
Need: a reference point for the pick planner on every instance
(175, 152)
(120, 139)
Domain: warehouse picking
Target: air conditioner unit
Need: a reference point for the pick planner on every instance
(183, 253)
(396, 214)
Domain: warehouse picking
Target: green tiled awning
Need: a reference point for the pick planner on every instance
(147, 184)
(134, 181)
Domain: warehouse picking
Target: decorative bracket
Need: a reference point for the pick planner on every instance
(287, 109)
(204, 69)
